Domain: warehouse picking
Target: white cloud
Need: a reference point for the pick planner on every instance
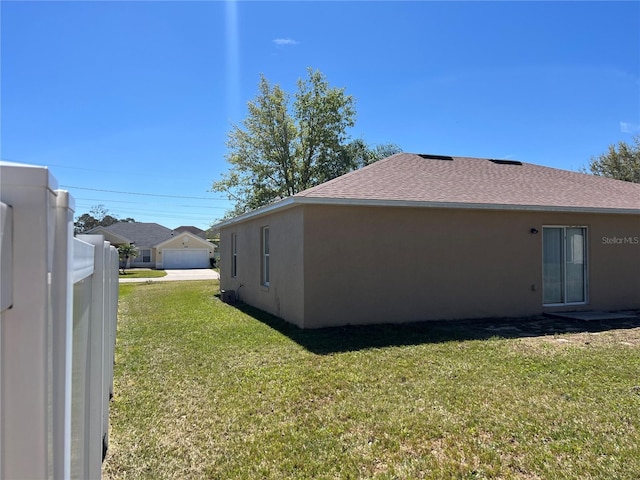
(285, 41)
(627, 127)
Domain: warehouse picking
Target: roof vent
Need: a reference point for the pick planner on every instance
(506, 162)
(434, 157)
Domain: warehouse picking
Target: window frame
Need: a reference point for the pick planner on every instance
(265, 247)
(141, 255)
(564, 279)
(234, 255)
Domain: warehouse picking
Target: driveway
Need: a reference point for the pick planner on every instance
(178, 276)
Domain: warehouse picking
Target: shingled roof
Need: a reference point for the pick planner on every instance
(407, 179)
(141, 233)
(198, 232)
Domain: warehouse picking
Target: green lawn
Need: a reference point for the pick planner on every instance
(205, 390)
(143, 273)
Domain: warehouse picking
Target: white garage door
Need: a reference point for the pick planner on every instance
(185, 258)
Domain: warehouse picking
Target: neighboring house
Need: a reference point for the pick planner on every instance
(422, 237)
(160, 247)
(195, 230)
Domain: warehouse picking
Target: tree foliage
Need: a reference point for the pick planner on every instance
(98, 216)
(125, 252)
(286, 145)
(621, 162)
(359, 154)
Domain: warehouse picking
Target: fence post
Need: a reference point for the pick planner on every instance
(62, 333)
(111, 314)
(57, 331)
(115, 263)
(24, 419)
(6, 258)
(6, 280)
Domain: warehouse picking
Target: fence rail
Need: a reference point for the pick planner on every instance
(58, 304)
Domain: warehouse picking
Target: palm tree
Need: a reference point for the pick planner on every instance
(125, 252)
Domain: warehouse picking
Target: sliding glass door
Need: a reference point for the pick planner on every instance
(564, 269)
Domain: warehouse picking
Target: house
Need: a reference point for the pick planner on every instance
(190, 228)
(160, 247)
(425, 237)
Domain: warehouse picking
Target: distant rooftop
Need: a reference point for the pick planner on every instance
(191, 229)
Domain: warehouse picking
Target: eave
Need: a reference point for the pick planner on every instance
(362, 202)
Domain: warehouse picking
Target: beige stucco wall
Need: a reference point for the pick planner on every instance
(374, 264)
(179, 242)
(614, 262)
(285, 294)
(137, 261)
(337, 265)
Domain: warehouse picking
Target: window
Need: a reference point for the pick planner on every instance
(145, 256)
(564, 269)
(234, 255)
(265, 256)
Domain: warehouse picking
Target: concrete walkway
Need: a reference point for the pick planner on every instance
(178, 276)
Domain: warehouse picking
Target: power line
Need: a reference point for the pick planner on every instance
(103, 200)
(83, 201)
(162, 211)
(115, 172)
(144, 194)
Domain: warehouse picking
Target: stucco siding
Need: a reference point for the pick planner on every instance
(378, 264)
(614, 268)
(138, 261)
(285, 294)
(180, 241)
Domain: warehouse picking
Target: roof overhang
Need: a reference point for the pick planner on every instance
(115, 238)
(361, 202)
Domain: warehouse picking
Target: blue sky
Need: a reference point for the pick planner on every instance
(138, 97)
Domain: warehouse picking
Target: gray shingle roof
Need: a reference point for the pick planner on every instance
(406, 177)
(198, 232)
(142, 234)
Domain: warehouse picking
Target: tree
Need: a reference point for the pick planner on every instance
(359, 154)
(285, 146)
(84, 223)
(98, 216)
(622, 163)
(354, 155)
(125, 252)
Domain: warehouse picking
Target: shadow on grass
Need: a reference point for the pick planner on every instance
(360, 337)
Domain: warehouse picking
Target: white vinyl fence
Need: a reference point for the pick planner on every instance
(58, 305)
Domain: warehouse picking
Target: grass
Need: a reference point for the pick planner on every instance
(206, 390)
(143, 273)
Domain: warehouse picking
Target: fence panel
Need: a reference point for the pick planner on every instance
(57, 332)
(101, 342)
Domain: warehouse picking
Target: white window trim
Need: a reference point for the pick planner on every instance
(142, 255)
